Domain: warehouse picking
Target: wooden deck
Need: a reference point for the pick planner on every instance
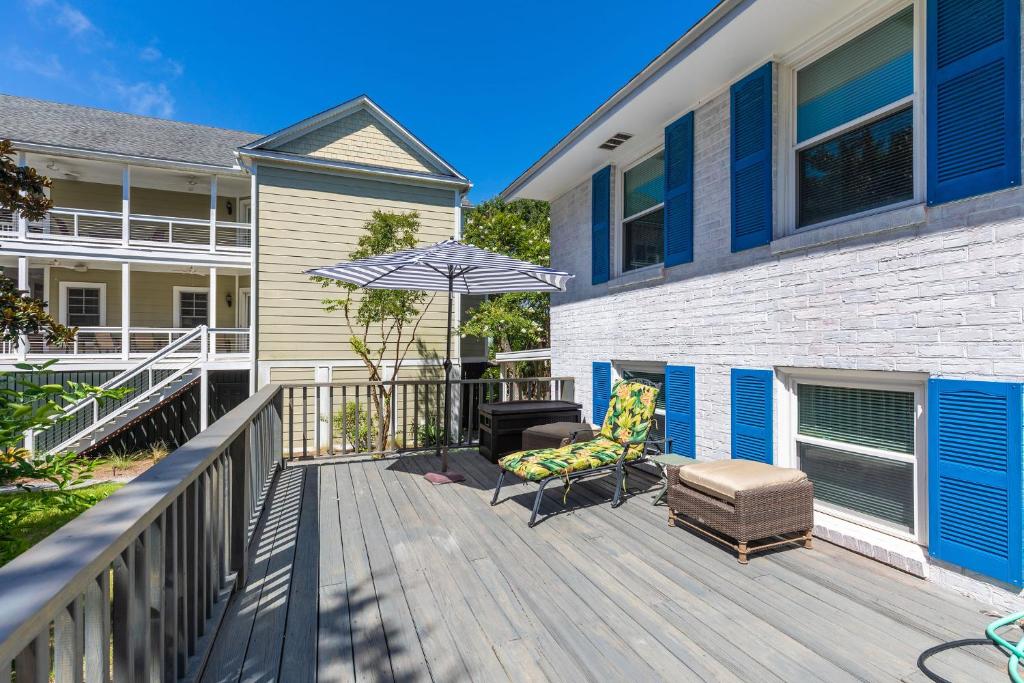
(364, 571)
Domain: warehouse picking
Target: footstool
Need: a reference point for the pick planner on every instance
(557, 434)
(749, 506)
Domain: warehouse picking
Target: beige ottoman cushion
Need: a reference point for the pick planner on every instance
(723, 478)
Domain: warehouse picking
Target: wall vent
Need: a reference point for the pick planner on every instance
(614, 141)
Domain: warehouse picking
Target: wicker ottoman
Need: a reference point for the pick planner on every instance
(746, 505)
(557, 434)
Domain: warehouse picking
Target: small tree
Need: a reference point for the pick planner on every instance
(383, 322)
(515, 321)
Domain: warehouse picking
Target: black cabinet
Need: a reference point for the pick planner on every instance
(502, 424)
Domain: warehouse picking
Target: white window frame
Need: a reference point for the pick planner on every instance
(620, 220)
(242, 306)
(913, 383)
(66, 285)
(788, 147)
(176, 304)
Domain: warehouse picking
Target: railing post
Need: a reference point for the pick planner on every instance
(23, 286)
(241, 506)
(22, 220)
(213, 216)
(126, 192)
(126, 308)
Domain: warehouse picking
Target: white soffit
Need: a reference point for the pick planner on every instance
(755, 32)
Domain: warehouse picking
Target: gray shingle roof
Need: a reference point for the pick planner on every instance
(24, 119)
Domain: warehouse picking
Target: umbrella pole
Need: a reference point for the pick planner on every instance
(444, 476)
(447, 378)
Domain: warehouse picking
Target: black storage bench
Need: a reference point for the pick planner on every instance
(502, 424)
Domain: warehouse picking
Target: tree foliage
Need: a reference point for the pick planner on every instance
(382, 322)
(520, 229)
(23, 190)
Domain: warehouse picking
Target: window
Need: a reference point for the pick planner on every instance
(83, 304)
(652, 372)
(192, 306)
(858, 445)
(643, 213)
(855, 124)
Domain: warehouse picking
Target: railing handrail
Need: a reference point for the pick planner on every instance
(408, 382)
(37, 584)
(154, 357)
(96, 213)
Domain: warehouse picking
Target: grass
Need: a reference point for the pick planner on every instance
(28, 517)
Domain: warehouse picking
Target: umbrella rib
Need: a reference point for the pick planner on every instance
(383, 275)
(548, 284)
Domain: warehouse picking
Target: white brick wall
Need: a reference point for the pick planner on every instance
(944, 296)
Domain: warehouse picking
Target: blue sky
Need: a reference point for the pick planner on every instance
(490, 86)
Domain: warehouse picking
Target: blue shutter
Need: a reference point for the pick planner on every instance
(973, 91)
(974, 476)
(751, 159)
(681, 409)
(679, 191)
(752, 415)
(600, 220)
(602, 391)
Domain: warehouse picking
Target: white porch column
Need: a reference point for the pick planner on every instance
(22, 221)
(213, 310)
(213, 213)
(23, 286)
(126, 308)
(126, 208)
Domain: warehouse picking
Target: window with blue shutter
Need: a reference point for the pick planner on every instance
(973, 90)
(751, 159)
(679, 191)
(752, 415)
(681, 409)
(974, 476)
(601, 390)
(600, 222)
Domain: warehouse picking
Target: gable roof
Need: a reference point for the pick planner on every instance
(53, 124)
(324, 118)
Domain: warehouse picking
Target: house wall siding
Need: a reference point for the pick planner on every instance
(943, 296)
(312, 219)
(360, 138)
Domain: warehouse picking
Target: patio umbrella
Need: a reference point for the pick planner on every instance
(453, 267)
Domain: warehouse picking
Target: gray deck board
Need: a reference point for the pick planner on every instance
(365, 571)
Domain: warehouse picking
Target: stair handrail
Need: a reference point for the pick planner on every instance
(144, 365)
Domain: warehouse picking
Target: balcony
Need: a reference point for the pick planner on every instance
(224, 563)
(108, 343)
(99, 205)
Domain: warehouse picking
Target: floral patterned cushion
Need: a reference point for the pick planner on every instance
(549, 462)
(630, 412)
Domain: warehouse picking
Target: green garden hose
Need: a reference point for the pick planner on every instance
(1015, 652)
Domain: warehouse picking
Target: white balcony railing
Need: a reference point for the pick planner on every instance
(107, 227)
(108, 342)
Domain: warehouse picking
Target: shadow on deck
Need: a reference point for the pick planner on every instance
(365, 571)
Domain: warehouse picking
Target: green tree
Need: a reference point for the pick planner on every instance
(383, 322)
(514, 321)
(24, 191)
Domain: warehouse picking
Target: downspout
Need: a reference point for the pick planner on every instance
(254, 252)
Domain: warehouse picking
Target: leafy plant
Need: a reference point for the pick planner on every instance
(383, 322)
(26, 406)
(123, 461)
(520, 320)
(358, 426)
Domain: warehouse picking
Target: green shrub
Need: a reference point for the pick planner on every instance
(361, 428)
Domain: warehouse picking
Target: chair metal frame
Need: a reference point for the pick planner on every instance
(619, 466)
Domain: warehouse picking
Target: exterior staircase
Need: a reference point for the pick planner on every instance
(92, 421)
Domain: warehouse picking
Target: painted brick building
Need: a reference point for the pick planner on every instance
(807, 221)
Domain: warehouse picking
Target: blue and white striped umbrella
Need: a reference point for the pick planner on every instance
(447, 266)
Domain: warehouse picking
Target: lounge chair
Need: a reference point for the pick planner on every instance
(623, 441)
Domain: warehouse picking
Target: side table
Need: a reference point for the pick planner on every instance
(664, 461)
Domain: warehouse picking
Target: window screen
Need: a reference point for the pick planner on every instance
(862, 417)
(84, 306)
(643, 234)
(644, 185)
(194, 309)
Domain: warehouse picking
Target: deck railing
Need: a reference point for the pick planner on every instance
(106, 342)
(134, 588)
(83, 226)
(379, 418)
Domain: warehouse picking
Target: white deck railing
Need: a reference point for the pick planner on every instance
(108, 342)
(84, 226)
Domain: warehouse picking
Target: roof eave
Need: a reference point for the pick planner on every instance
(135, 160)
(716, 14)
(349, 168)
